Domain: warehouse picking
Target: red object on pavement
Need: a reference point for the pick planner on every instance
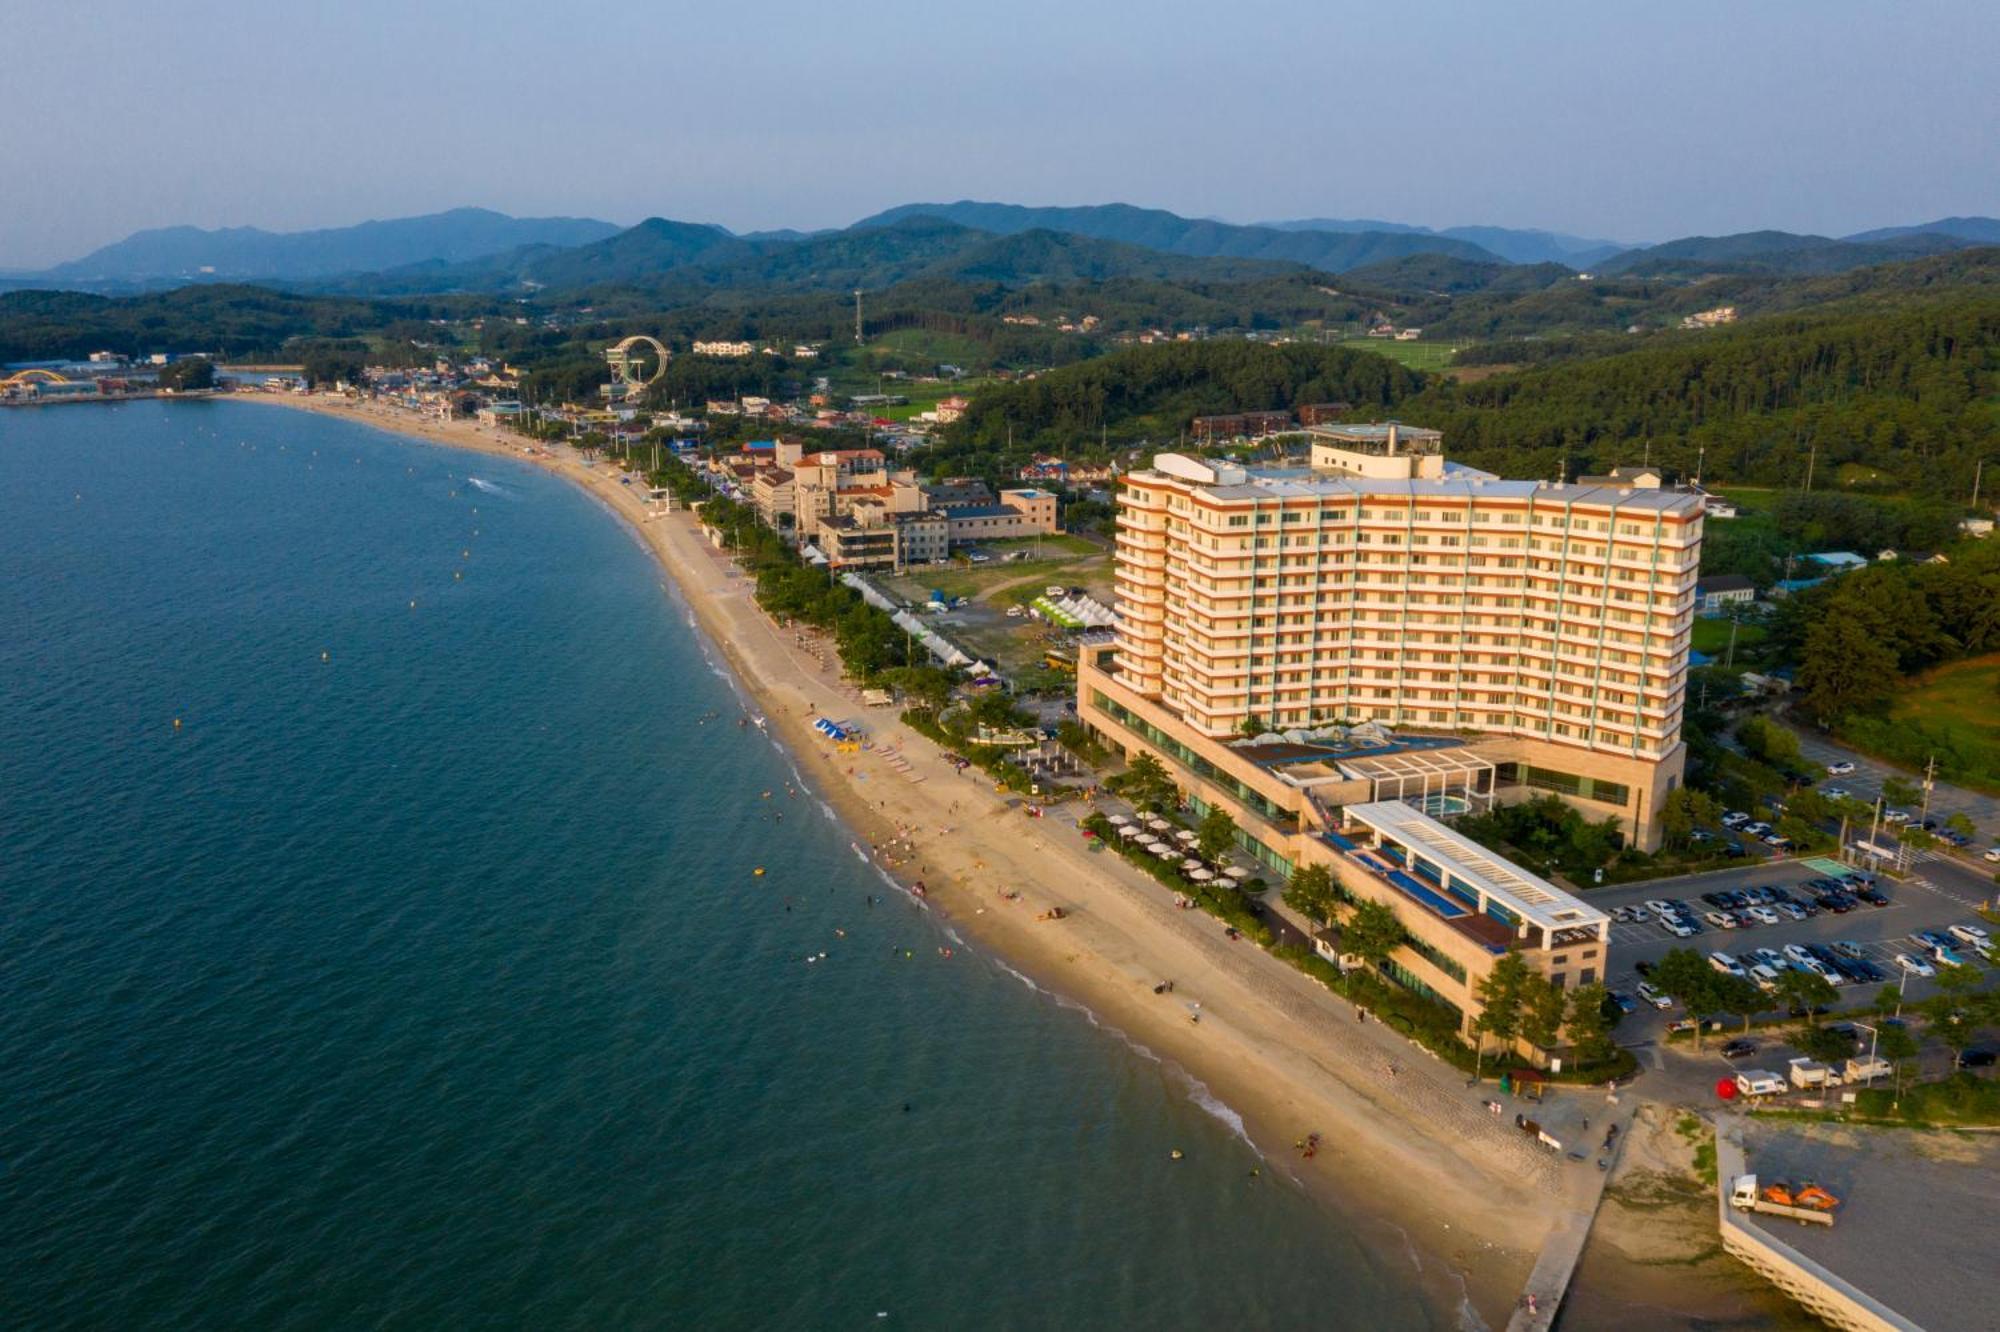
(1726, 1088)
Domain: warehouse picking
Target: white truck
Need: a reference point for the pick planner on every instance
(1863, 1068)
(1807, 1073)
(1759, 1082)
(1745, 1196)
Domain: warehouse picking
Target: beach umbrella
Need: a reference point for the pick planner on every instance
(1200, 876)
(1237, 872)
(1117, 820)
(1187, 835)
(1194, 867)
(1158, 824)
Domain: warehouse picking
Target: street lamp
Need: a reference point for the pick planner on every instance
(1873, 1034)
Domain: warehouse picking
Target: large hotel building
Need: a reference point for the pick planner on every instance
(1324, 647)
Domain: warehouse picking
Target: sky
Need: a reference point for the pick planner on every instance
(1626, 121)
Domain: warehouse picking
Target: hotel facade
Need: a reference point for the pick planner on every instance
(1376, 625)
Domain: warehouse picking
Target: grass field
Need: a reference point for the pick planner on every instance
(1951, 715)
(1712, 637)
(1416, 355)
(1963, 697)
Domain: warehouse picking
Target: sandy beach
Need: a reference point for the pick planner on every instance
(1407, 1143)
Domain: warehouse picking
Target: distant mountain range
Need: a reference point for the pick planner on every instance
(692, 258)
(1514, 245)
(479, 251)
(1156, 229)
(239, 253)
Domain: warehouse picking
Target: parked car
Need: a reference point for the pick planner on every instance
(1680, 929)
(1929, 939)
(1972, 934)
(1834, 792)
(1896, 816)
(1872, 898)
(1792, 909)
(1846, 948)
(1624, 1001)
(1978, 1058)
(1734, 850)
(1763, 915)
(1992, 854)
(1915, 966)
(1740, 1048)
(1757, 829)
(1841, 769)
(1653, 996)
(1722, 920)
(1725, 964)
(1735, 818)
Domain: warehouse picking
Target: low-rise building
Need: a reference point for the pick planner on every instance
(1712, 595)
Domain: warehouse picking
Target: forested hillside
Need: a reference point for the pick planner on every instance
(1152, 391)
(1910, 394)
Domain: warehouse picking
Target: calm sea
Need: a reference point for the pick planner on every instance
(419, 978)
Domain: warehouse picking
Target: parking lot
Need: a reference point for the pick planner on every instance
(1878, 932)
(1865, 784)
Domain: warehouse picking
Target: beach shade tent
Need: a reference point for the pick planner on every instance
(831, 730)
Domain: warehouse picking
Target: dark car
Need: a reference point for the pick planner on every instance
(1626, 1003)
(1734, 850)
(1978, 1058)
(1738, 1049)
(1643, 968)
(1716, 899)
(1872, 898)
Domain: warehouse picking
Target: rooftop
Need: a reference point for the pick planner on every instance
(1532, 898)
(1305, 483)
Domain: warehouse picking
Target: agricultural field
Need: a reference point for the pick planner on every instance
(1417, 355)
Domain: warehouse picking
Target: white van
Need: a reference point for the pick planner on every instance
(1725, 964)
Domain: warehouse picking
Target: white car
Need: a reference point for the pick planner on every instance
(1799, 954)
(1725, 964)
(1972, 934)
(1763, 915)
(1757, 829)
(1720, 919)
(1735, 818)
(1915, 966)
(1840, 769)
(1993, 854)
(1653, 996)
(1895, 816)
(1766, 977)
(1834, 792)
(1677, 927)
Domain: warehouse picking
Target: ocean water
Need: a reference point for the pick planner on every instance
(420, 977)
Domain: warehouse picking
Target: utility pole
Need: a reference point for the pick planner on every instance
(1977, 468)
(1930, 781)
(1734, 621)
(1700, 464)
(1811, 458)
(857, 316)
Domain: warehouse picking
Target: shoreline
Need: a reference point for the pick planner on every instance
(1401, 1160)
